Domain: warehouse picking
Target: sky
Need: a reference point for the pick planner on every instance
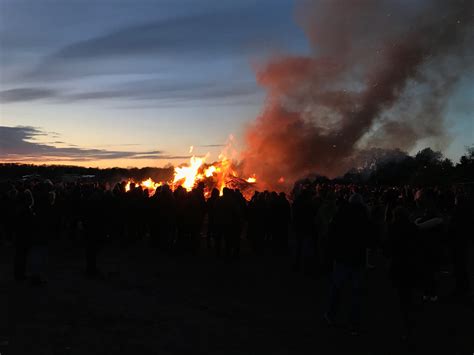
(136, 83)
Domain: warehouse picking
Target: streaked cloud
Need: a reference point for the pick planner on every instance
(26, 94)
(21, 143)
(178, 91)
(196, 39)
(211, 145)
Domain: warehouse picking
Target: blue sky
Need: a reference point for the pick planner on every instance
(135, 83)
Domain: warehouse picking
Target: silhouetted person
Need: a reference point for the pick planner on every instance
(229, 216)
(166, 218)
(212, 234)
(303, 223)
(242, 211)
(133, 212)
(430, 225)
(110, 207)
(461, 228)
(196, 211)
(46, 230)
(154, 218)
(24, 226)
(404, 251)
(282, 218)
(9, 199)
(180, 196)
(256, 222)
(349, 240)
(94, 230)
(324, 217)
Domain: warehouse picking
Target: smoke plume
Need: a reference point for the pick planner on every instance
(379, 75)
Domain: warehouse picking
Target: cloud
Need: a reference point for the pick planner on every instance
(195, 40)
(26, 94)
(217, 31)
(211, 145)
(152, 156)
(178, 90)
(198, 56)
(19, 144)
(152, 89)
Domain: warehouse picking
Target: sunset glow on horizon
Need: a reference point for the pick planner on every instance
(136, 83)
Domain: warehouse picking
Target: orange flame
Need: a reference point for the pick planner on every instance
(150, 185)
(252, 179)
(220, 174)
(188, 174)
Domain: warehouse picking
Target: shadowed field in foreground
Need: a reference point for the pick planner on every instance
(154, 304)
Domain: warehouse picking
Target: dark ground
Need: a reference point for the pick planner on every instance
(154, 304)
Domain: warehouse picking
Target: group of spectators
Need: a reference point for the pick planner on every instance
(325, 228)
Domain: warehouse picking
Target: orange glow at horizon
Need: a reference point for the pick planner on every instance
(101, 164)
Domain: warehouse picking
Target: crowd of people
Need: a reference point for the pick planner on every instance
(322, 228)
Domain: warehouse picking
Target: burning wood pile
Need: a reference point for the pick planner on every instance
(217, 175)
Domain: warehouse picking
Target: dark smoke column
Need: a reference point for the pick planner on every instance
(379, 75)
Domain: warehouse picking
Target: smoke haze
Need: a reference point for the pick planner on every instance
(379, 75)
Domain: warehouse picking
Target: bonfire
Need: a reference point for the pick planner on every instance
(220, 174)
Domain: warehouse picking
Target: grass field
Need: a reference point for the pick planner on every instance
(154, 304)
